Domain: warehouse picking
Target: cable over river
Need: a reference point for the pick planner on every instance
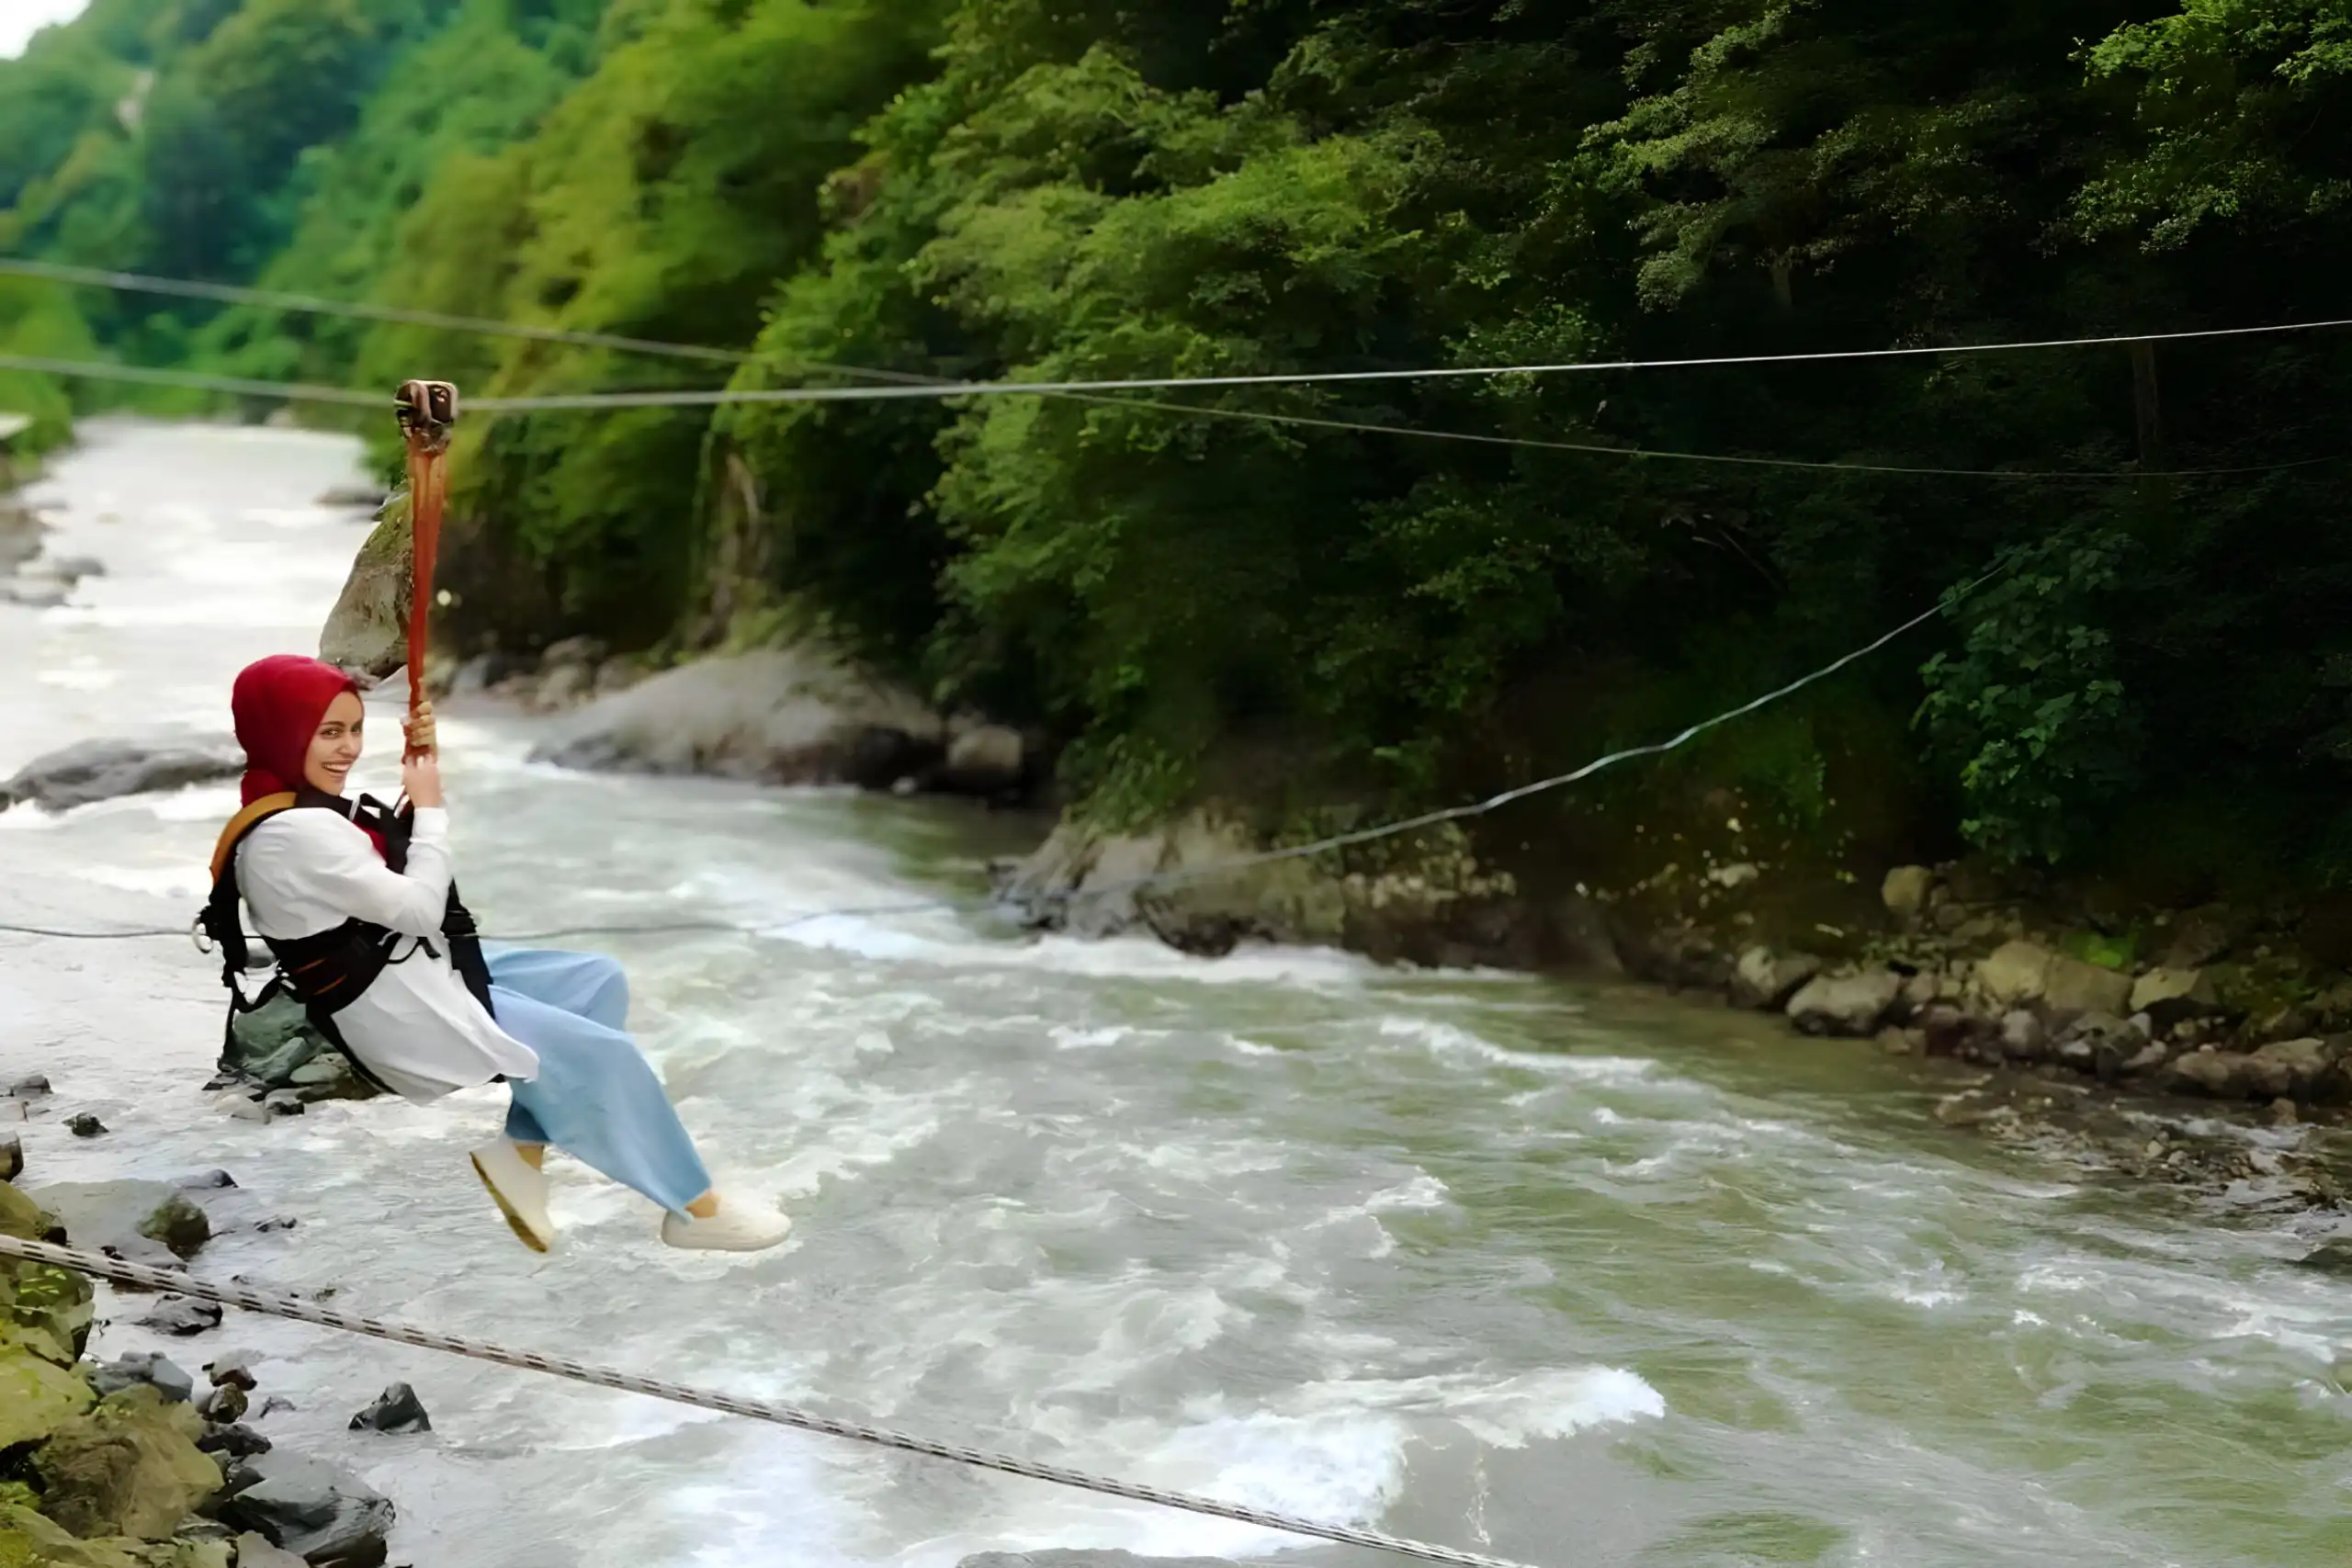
(1580, 1277)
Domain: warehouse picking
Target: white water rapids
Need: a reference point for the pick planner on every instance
(1576, 1277)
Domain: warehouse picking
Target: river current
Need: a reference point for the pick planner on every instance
(1571, 1275)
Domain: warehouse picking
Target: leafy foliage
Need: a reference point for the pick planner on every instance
(956, 189)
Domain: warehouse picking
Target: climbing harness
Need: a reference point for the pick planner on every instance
(329, 970)
(275, 1305)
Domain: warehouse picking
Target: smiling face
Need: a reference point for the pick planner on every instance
(335, 745)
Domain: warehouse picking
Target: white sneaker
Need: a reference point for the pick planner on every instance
(520, 1191)
(736, 1227)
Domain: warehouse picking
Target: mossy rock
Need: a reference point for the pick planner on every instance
(29, 1540)
(101, 1214)
(37, 1397)
(271, 1043)
(24, 1219)
(43, 1310)
(367, 629)
(130, 1467)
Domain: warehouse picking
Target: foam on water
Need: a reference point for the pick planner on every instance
(1474, 1260)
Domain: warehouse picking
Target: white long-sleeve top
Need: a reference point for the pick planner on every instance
(416, 1027)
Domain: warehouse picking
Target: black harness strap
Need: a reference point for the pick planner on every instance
(328, 971)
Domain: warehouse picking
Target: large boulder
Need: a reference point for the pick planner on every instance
(2072, 986)
(2170, 997)
(44, 1312)
(2298, 1069)
(1851, 1005)
(37, 1396)
(1766, 980)
(2014, 974)
(155, 1371)
(326, 1516)
(366, 634)
(273, 1047)
(397, 1409)
(1904, 891)
(795, 716)
(93, 770)
(29, 1540)
(130, 1467)
(104, 1214)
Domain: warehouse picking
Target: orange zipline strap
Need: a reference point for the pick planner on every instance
(427, 413)
(267, 806)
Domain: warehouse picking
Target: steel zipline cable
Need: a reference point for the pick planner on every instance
(274, 1304)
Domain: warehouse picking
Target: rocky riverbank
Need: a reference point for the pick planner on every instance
(134, 1462)
(2205, 1046)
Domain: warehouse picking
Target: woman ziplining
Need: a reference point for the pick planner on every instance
(357, 903)
(366, 929)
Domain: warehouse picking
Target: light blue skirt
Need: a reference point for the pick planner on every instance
(597, 1098)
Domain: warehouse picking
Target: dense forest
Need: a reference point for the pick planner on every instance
(1191, 596)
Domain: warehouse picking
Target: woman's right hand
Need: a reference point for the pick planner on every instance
(421, 778)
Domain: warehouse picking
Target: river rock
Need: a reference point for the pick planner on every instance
(206, 1182)
(2172, 997)
(329, 1075)
(234, 1439)
(2016, 972)
(2022, 1036)
(1951, 1031)
(224, 1405)
(37, 1397)
(558, 687)
(2222, 1075)
(799, 716)
(232, 1371)
(103, 1213)
(12, 1157)
(181, 1317)
(985, 759)
(1904, 891)
(45, 1316)
(33, 1088)
(130, 1467)
(255, 1552)
(366, 634)
(1766, 980)
(147, 1254)
(93, 770)
(328, 1517)
(157, 1372)
(268, 1046)
(2300, 1069)
(1850, 1006)
(397, 1409)
(2330, 1257)
(486, 672)
(85, 1125)
(361, 497)
(2071, 985)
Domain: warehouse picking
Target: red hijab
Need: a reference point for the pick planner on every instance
(279, 703)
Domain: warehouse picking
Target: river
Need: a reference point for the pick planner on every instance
(1570, 1275)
